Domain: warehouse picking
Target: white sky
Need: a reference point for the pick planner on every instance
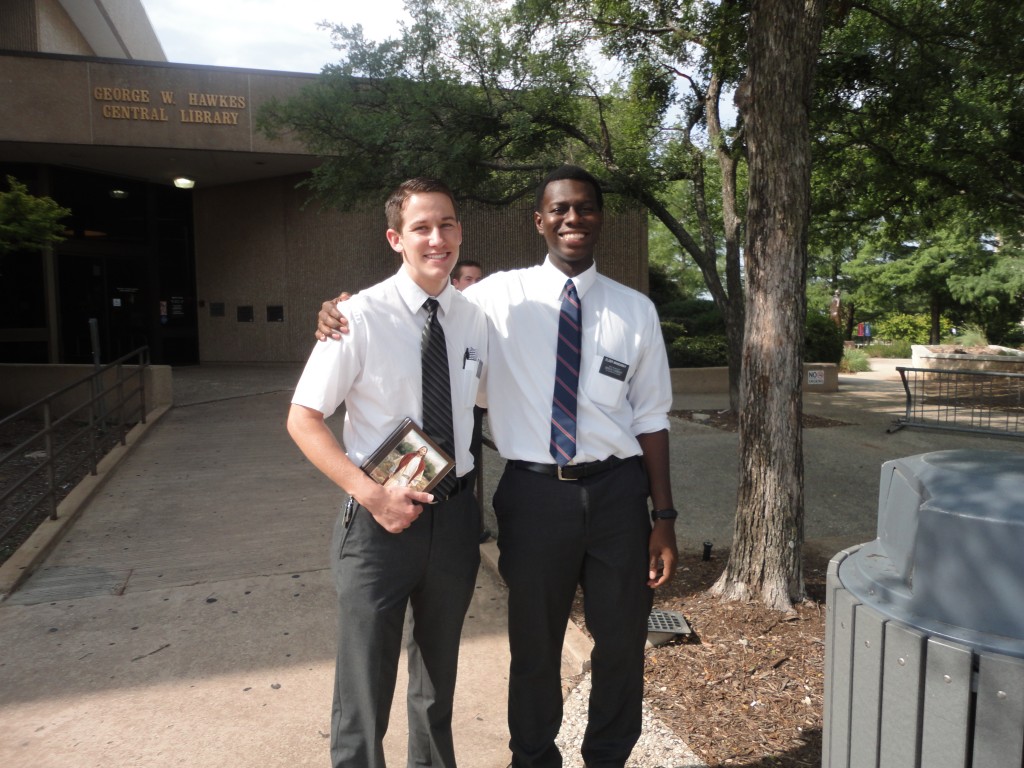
(264, 34)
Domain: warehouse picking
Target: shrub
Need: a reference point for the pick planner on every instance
(897, 349)
(823, 340)
(915, 329)
(700, 316)
(699, 352)
(672, 330)
(969, 336)
(661, 288)
(854, 361)
(1014, 337)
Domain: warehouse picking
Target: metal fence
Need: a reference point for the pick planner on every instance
(989, 402)
(59, 438)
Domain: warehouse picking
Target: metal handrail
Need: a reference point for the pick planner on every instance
(106, 411)
(987, 402)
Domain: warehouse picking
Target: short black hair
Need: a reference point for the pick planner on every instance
(572, 173)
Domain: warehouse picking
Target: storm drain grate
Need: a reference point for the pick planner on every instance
(663, 626)
(667, 621)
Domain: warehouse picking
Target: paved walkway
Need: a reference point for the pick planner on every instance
(187, 617)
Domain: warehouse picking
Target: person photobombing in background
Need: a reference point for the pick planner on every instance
(466, 273)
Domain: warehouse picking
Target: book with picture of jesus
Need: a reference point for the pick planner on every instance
(408, 458)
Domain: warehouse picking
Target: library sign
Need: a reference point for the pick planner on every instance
(168, 106)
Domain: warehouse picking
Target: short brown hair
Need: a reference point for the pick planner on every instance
(461, 263)
(416, 186)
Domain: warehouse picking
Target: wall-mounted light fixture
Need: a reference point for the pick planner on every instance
(118, 194)
(183, 182)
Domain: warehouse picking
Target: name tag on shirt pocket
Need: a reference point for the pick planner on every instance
(606, 384)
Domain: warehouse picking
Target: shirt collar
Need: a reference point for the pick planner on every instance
(554, 276)
(414, 296)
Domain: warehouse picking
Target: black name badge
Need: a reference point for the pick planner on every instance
(614, 368)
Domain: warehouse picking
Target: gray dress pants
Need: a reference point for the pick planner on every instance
(429, 569)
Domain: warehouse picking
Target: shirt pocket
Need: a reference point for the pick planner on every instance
(468, 381)
(607, 380)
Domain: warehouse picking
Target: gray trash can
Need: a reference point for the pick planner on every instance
(924, 632)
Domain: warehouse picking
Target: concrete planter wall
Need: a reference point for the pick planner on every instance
(1011, 362)
(818, 377)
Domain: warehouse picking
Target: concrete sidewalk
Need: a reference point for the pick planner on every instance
(187, 616)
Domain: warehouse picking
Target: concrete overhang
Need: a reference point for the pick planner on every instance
(119, 30)
(150, 121)
(161, 165)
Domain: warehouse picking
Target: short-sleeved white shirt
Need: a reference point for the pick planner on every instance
(625, 388)
(375, 368)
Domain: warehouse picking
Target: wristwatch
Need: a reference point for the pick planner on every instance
(664, 514)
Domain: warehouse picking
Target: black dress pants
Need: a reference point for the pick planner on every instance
(555, 535)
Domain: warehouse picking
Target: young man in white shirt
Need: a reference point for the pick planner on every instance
(395, 547)
(581, 519)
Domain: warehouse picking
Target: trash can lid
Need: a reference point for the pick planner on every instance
(949, 556)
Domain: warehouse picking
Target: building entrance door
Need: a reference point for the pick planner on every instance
(110, 288)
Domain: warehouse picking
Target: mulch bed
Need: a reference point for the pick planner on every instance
(746, 687)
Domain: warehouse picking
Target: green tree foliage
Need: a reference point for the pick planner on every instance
(27, 222)
(918, 126)
(920, 101)
(949, 270)
(682, 279)
(490, 96)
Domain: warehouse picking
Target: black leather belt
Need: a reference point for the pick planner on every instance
(569, 471)
(460, 485)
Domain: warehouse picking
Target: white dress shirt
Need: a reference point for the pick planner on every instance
(375, 368)
(624, 390)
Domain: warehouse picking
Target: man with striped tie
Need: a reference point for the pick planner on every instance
(578, 394)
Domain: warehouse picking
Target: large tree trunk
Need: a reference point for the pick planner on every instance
(765, 562)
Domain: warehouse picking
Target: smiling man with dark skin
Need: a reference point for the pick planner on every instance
(575, 516)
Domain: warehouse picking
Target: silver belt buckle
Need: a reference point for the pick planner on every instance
(559, 468)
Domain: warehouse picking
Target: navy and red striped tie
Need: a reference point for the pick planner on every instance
(567, 377)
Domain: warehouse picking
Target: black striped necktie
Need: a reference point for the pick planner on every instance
(567, 377)
(437, 391)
